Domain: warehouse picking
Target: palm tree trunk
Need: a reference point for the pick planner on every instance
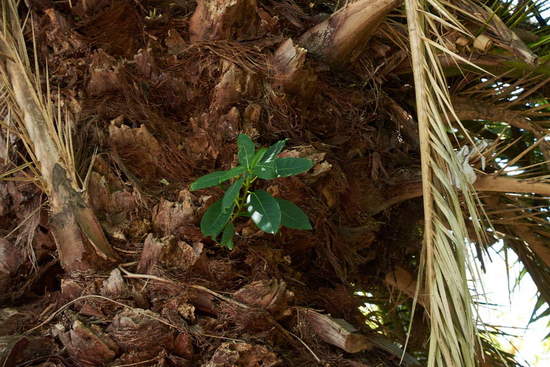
(80, 240)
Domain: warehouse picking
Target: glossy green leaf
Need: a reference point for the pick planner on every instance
(232, 193)
(285, 167)
(273, 151)
(264, 211)
(215, 219)
(216, 178)
(258, 156)
(265, 170)
(292, 216)
(246, 150)
(282, 167)
(227, 235)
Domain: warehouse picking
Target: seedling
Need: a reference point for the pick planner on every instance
(267, 212)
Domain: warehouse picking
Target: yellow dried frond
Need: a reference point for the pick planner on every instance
(57, 123)
(445, 262)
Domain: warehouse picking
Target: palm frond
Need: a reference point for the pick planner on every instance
(445, 261)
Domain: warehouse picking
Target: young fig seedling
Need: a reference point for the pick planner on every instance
(239, 200)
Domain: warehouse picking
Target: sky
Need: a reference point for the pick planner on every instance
(514, 310)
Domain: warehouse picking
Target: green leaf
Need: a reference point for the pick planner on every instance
(246, 150)
(273, 151)
(265, 170)
(216, 178)
(292, 166)
(232, 193)
(227, 235)
(264, 211)
(282, 167)
(215, 219)
(258, 156)
(292, 216)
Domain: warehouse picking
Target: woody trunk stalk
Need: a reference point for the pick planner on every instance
(342, 37)
(80, 240)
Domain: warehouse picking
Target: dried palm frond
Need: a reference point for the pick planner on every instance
(515, 110)
(500, 33)
(488, 42)
(445, 264)
(520, 105)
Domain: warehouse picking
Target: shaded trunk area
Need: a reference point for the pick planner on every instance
(157, 92)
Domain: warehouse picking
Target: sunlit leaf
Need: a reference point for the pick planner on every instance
(264, 211)
(265, 170)
(273, 151)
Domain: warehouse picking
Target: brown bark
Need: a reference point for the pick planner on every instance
(404, 120)
(537, 244)
(493, 62)
(18, 350)
(181, 299)
(405, 283)
(90, 346)
(340, 333)
(291, 74)
(224, 20)
(270, 295)
(413, 190)
(143, 329)
(11, 258)
(234, 85)
(468, 109)
(342, 37)
(231, 354)
(509, 184)
(336, 332)
(169, 253)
